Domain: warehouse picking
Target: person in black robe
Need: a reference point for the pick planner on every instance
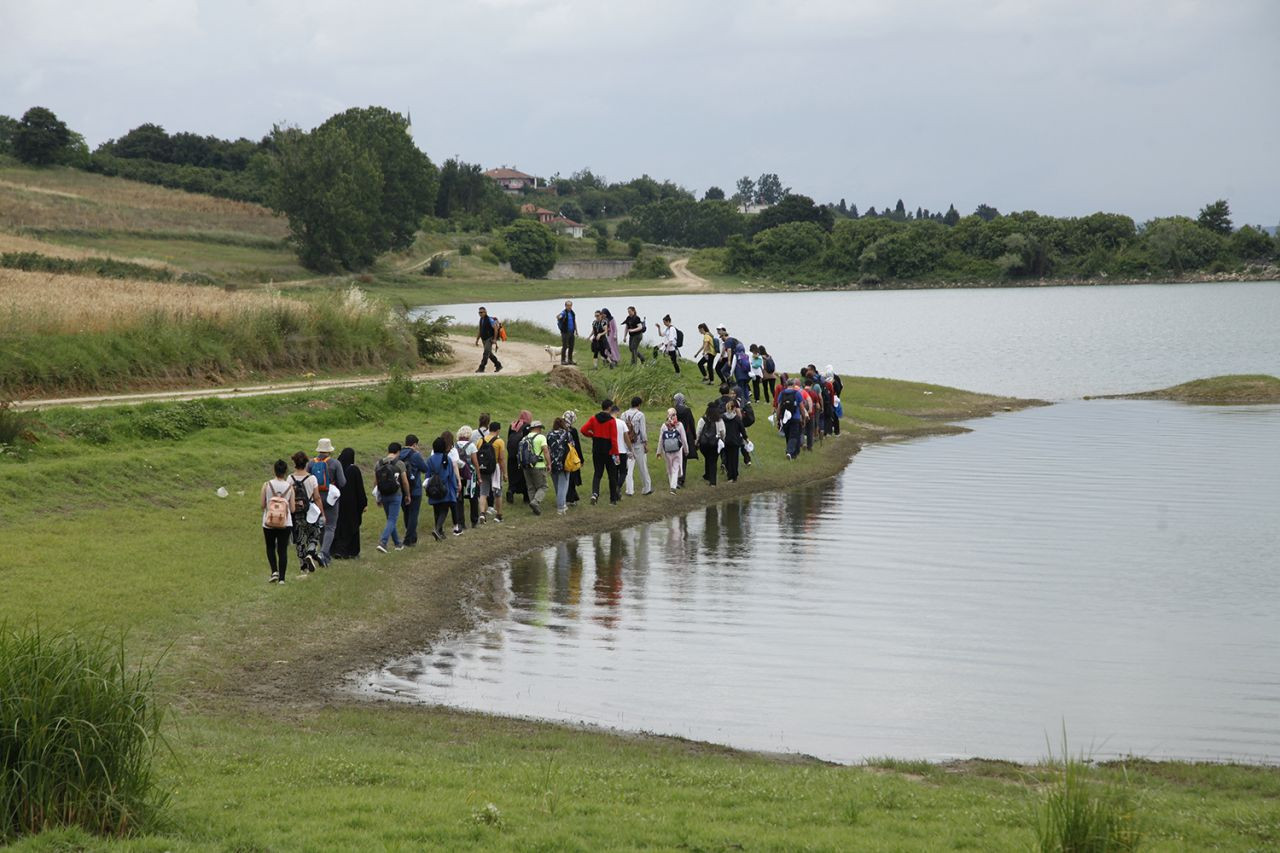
(351, 506)
(515, 474)
(575, 477)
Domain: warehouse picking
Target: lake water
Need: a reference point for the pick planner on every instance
(1050, 343)
(1110, 566)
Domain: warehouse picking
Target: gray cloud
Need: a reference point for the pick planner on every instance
(1062, 106)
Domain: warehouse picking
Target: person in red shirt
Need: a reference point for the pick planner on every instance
(603, 433)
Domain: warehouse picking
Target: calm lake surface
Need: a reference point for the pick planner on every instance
(1049, 342)
(1108, 565)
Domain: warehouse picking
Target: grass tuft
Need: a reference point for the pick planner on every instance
(79, 729)
(1079, 813)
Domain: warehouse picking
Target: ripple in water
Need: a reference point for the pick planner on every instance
(1110, 565)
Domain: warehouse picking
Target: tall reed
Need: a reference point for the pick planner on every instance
(79, 729)
(1078, 813)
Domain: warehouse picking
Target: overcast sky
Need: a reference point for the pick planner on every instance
(1144, 107)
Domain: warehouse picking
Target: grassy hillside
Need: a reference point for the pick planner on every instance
(1218, 390)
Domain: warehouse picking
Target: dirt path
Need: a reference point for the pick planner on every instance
(518, 359)
(690, 281)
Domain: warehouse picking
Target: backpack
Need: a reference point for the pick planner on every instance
(524, 453)
(277, 509)
(465, 473)
(502, 330)
(743, 361)
(789, 401)
(387, 477)
(319, 468)
(769, 364)
(434, 488)
(708, 437)
(670, 440)
(572, 461)
(679, 339)
(485, 455)
(748, 415)
(300, 499)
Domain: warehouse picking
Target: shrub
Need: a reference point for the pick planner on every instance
(102, 267)
(634, 245)
(650, 267)
(79, 729)
(464, 249)
(431, 334)
(435, 266)
(15, 427)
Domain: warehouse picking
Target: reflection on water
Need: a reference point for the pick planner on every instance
(1112, 565)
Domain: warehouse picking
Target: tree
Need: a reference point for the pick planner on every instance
(746, 193)
(602, 243)
(769, 189)
(842, 208)
(871, 211)
(713, 194)
(1216, 216)
(144, 142)
(8, 127)
(40, 137)
(530, 247)
(354, 187)
(952, 216)
(1252, 244)
(572, 210)
(1180, 243)
(853, 212)
(634, 247)
(986, 212)
(793, 208)
(899, 212)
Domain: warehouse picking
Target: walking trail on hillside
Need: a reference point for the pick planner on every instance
(691, 281)
(518, 359)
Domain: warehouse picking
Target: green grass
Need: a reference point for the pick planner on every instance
(225, 261)
(133, 538)
(1083, 811)
(79, 729)
(1233, 389)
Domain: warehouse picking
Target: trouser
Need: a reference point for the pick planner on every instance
(710, 462)
(277, 539)
(675, 360)
(808, 434)
(602, 465)
(684, 468)
(723, 370)
(675, 468)
(488, 354)
(636, 461)
(460, 518)
(440, 512)
(455, 509)
(306, 538)
(705, 367)
(769, 384)
(536, 480)
(793, 430)
(567, 340)
(746, 454)
(744, 392)
(560, 480)
(633, 344)
(730, 456)
(330, 528)
(391, 506)
(755, 388)
(411, 520)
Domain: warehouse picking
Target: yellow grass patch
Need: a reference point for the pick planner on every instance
(21, 243)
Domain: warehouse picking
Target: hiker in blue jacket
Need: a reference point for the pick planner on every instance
(415, 466)
(443, 497)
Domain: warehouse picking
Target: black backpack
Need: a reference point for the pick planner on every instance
(748, 415)
(708, 438)
(435, 487)
(387, 477)
(300, 499)
(769, 364)
(486, 457)
(679, 339)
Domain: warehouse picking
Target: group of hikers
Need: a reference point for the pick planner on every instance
(472, 474)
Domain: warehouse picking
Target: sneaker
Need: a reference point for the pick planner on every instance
(275, 578)
(562, 510)
(457, 531)
(673, 491)
(498, 518)
(481, 520)
(437, 535)
(399, 547)
(281, 583)
(381, 549)
(498, 369)
(535, 509)
(642, 494)
(480, 370)
(491, 511)
(594, 498)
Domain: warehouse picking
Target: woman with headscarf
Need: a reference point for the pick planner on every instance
(575, 477)
(351, 506)
(672, 446)
(515, 475)
(610, 337)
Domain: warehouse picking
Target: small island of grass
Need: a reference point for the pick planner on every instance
(1236, 389)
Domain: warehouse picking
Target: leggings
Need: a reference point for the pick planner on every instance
(441, 512)
(277, 539)
(675, 360)
(704, 366)
(711, 461)
(730, 456)
(769, 384)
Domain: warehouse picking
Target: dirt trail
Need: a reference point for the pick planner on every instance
(691, 281)
(518, 359)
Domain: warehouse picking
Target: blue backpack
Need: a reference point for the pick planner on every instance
(319, 468)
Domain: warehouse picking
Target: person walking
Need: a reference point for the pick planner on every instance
(415, 465)
(707, 355)
(488, 335)
(837, 407)
(491, 453)
(768, 374)
(441, 487)
(602, 431)
(610, 338)
(575, 477)
(635, 332)
(351, 508)
(668, 341)
(468, 472)
(757, 372)
(558, 445)
(277, 520)
(536, 474)
(393, 493)
(637, 448)
(598, 341)
(790, 416)
(673, 448)
(328, 473)
(735, 436)
(308, 514)
(624, 448)
(685, 415)
(567, 322)
(711, 441)
(515, 477)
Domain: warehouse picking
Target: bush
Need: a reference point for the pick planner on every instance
(431, 333)
(634, 245)
(650, 267)
(435, 266)
(102, 267)
(530, 246)
(464, 249)
(15, 428)
(79, 729)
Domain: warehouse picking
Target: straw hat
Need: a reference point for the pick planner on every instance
(324, 446)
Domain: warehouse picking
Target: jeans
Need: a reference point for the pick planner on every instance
(560, 481)
(488, 354)
(744, 392)
(391, 506)
(277, 539)
(793, 431)
(567, 340)
(411, 520)
(536, 478)
(636, 461)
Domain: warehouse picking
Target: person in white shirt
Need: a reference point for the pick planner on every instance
(667, 341)
(624, 446)
(637, 448)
